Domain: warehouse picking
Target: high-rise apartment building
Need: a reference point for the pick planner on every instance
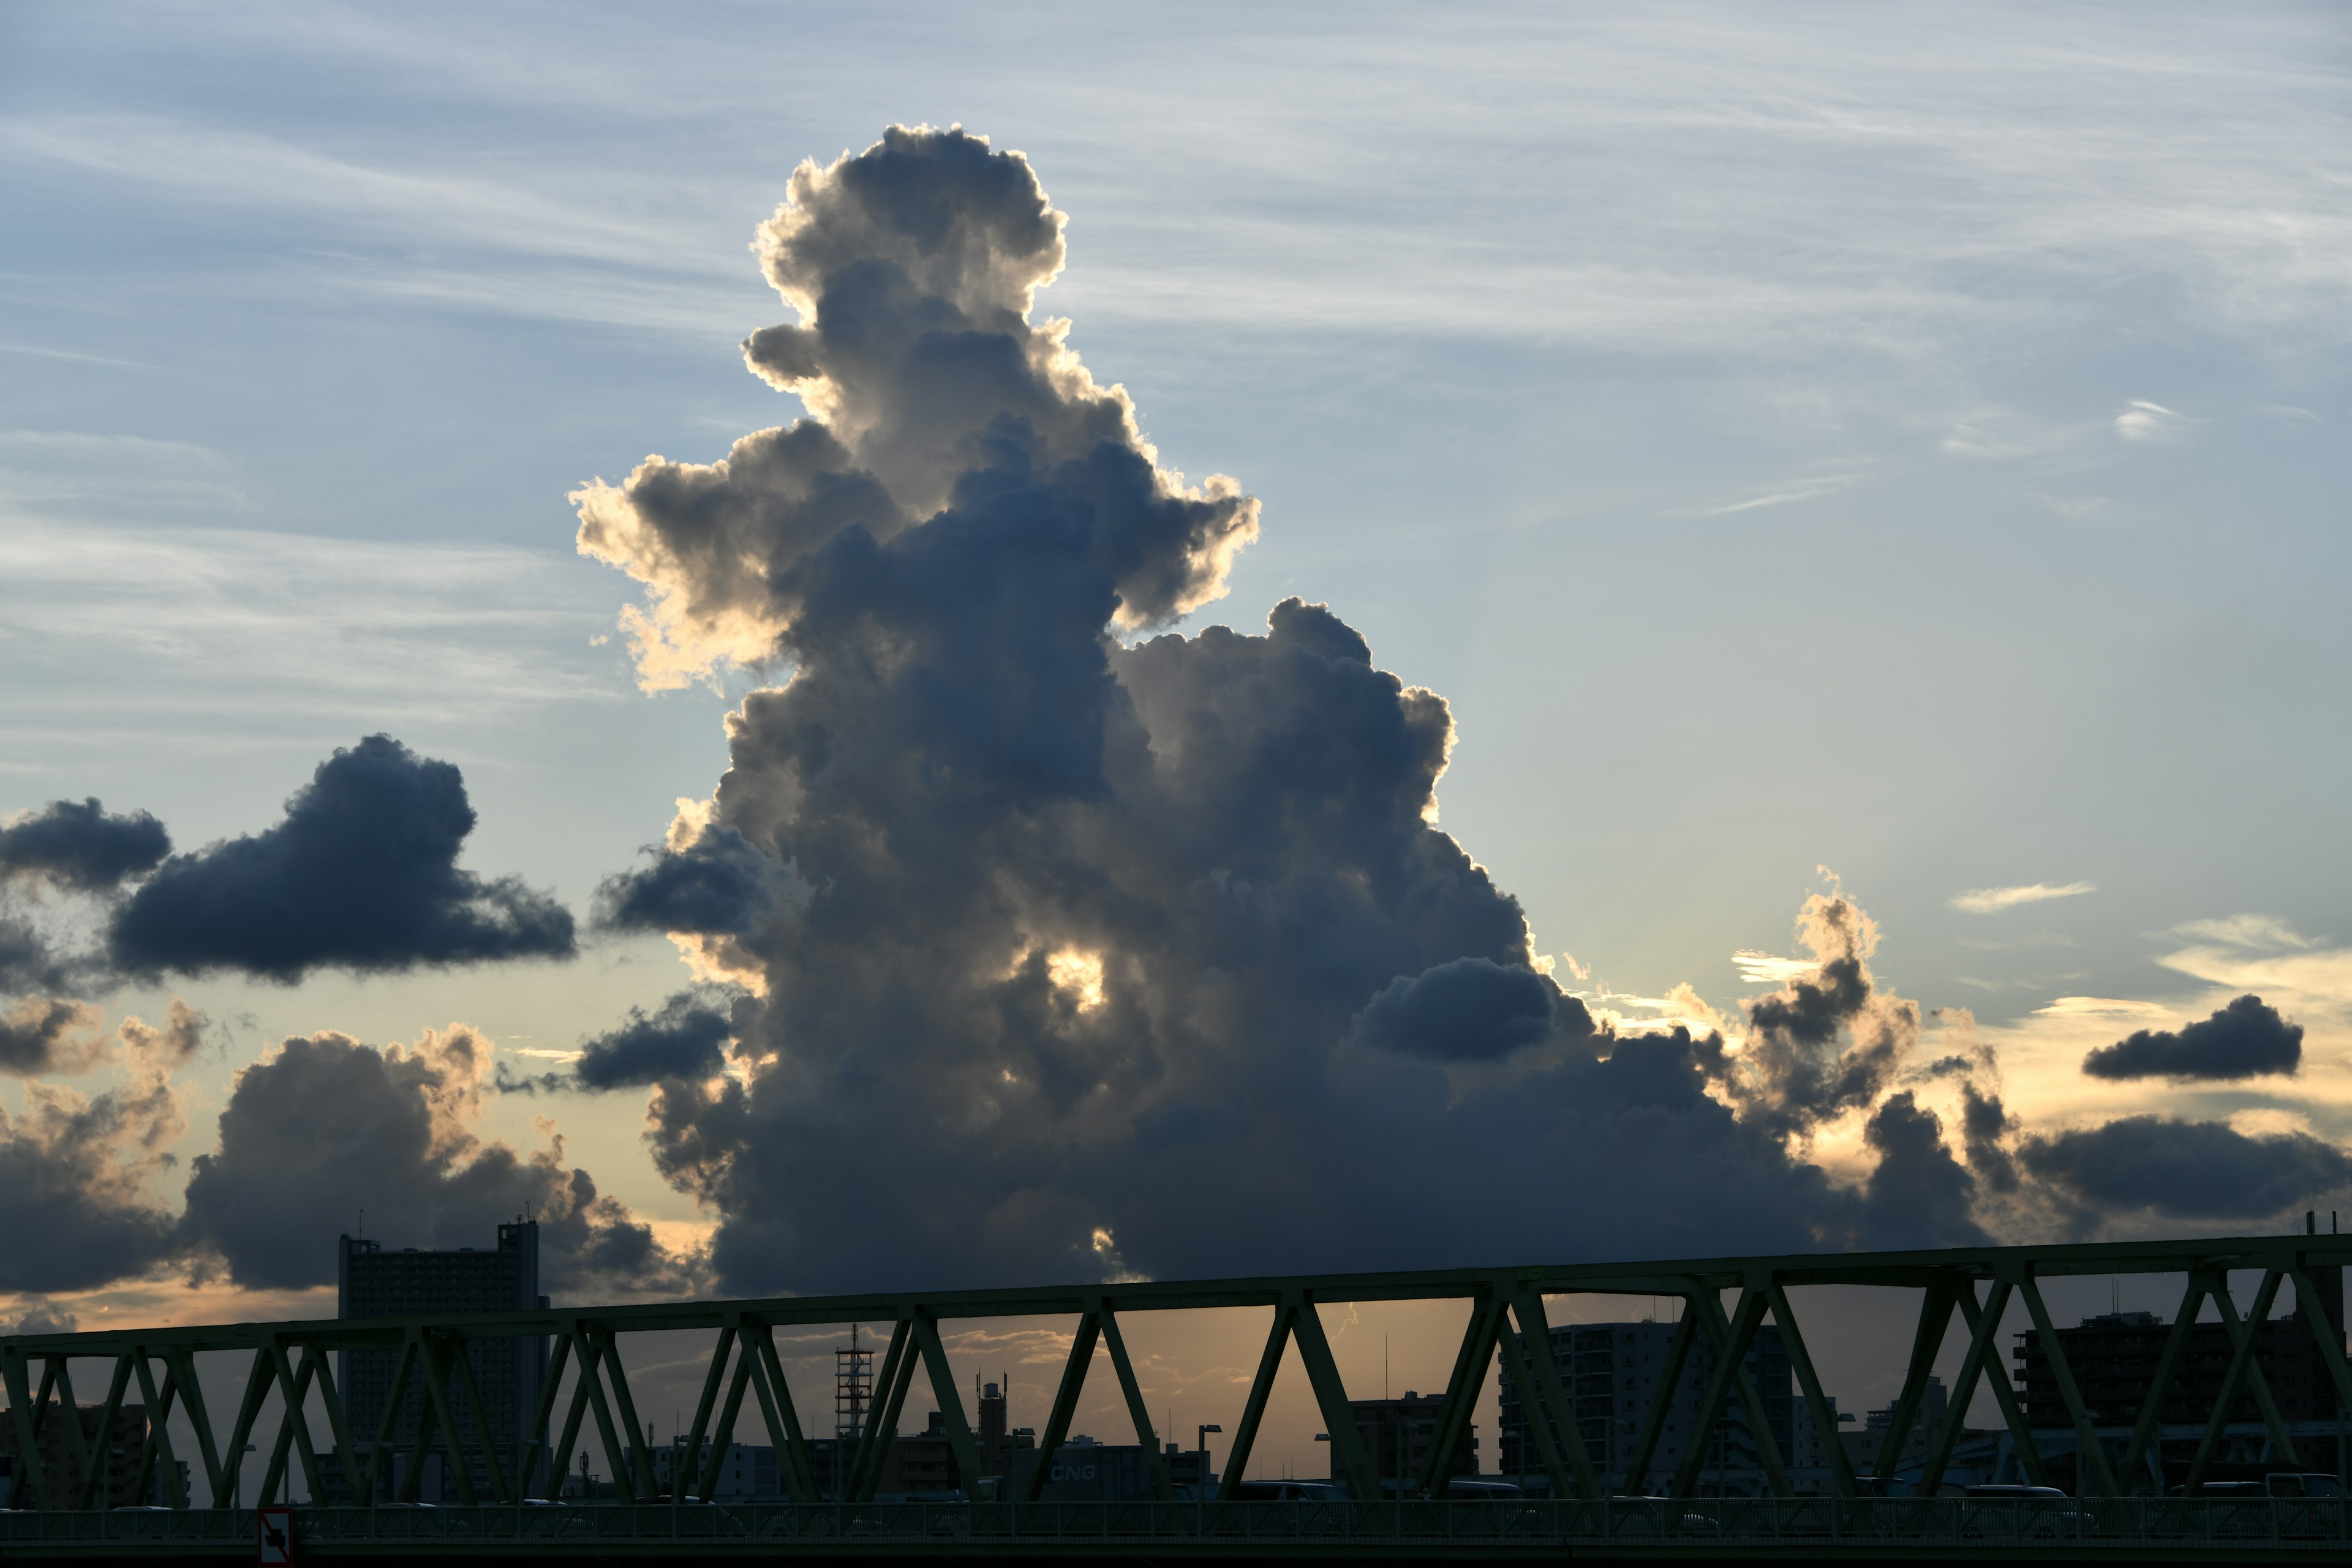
(372, 1283)
(2114, 1359)
(1611, 1371)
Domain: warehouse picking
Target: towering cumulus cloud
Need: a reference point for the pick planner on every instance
(1062, 935)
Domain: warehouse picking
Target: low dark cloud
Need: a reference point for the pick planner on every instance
(1470, 1009)
(2187, 1170)
(714, 883)
(327, 1126)
(362, 875)
(687, 1040)
(78, 847)
(2246, 1039)
(1986, 1126)
(51, 1035)
(1918, 1195)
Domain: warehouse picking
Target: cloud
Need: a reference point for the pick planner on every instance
(51, 1034)
(1918, 1194)
(1829, 1041)
(2142, 421)
(327, 1126)
(44, 1318)
(1470, 1009)
(1992, 901)
(2260, 932)
(2187, 1170)
(2244, 1039)
(360, 875)
(79, 847)
(685, 1039)
(1099, 932)
(76, 1171)
(1804, 489)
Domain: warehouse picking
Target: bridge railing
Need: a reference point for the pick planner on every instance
(1727, 1523)
(1507, 1323)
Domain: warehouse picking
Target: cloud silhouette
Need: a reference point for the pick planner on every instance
(78, 847)
(360, 875)
(2187, 1170)
(685, 1038)
(75, 1172)
(2246, 1039)
(1121, 944)
(326, 1126)
(1470, 1009)
(50, 1034)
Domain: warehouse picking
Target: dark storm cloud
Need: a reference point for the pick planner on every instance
(1985, 1124)
(79, 847)
(687, 1040)
(716, 885)
(362, 875)
(1918, 1194)
(328, 1126)
(1068, 948)
(1471, 1009)
(2246, 1039)
(2189, 1170)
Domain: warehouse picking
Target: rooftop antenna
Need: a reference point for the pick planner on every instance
(363, 1225)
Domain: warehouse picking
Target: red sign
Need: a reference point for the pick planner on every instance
(277, 1535)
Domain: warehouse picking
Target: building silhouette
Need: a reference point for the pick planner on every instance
(372, 1283)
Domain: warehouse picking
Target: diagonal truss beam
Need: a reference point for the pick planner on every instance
(776, 1408)
(1653, 1420)
(2087, 1447)
(1065, 1400)
(2245, 1372)
(1731, 1341)
(1269, 1361)
(2167, 1365)
(882, 1420)
(1927, 1339)
(2004, 1395)
(1479, 1337)
(1984, 1336)
(1155, 1462)
(1535, 1336)
(1331, 1397)
(1809, 1384)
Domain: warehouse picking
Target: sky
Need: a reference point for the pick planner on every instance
(1846, 501)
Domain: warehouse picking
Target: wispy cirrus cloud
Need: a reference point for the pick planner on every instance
(2144, 421)
(1992, 901)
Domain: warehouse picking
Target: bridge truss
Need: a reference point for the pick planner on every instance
(1506, 1320)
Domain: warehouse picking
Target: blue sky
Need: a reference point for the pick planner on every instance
(1906, 441)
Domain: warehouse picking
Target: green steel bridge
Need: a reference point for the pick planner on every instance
(498, 1515)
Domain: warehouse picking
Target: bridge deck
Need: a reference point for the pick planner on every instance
(1949, 1529)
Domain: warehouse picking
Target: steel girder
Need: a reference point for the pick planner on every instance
(291, 1360)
